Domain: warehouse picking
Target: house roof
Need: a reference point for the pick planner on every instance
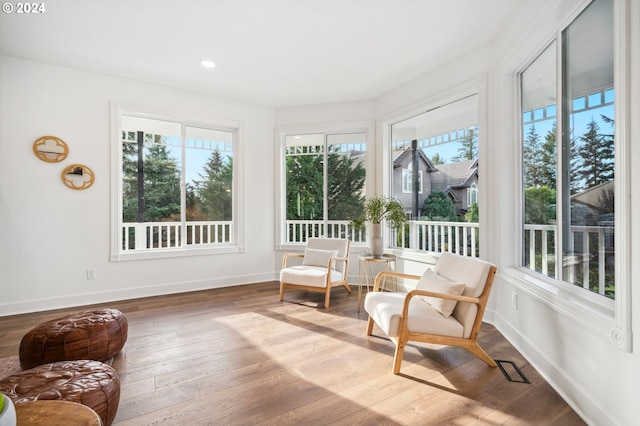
(453, 175)
(400, 158)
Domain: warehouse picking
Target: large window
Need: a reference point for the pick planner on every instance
(177, 187)
(568, 155)
(441, 144)
(325, 176)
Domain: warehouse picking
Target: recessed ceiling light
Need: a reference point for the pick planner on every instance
(207, 63)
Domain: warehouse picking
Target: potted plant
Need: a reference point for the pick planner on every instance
(377, 209)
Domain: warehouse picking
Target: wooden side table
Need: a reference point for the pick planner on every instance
(55, 412)
(365, 271)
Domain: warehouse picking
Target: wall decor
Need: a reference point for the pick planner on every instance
(50, 149)
(78, 176)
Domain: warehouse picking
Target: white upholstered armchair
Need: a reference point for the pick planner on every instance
(325, 264)
(446, 308)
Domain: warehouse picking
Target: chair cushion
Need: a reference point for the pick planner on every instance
(340, 244)
(314, 276)
(431, 281)
(318, 257)
(468, 270)
(386, 308)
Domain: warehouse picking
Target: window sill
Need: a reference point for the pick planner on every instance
(170, 253)
(593, 314)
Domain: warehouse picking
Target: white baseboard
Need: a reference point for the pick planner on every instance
(90, 298)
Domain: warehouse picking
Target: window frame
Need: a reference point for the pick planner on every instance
(117, 110)
(476, 86)
(609, 319)
(407, 176)
(366, 127)
(472, 194)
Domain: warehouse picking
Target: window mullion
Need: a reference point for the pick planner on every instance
(325, 187)
(183, 186)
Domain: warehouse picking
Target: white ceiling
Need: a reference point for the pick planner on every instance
(268, 52)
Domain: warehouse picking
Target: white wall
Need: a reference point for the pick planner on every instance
(599, 380)
(51, 234)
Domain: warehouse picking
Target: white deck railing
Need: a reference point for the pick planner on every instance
(148, 235)
(590, 259)
(297, 231)
(592, 245)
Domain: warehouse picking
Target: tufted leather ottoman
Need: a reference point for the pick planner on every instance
(98, 335)
(90, 383)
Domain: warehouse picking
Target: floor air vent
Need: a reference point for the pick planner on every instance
(514, 370)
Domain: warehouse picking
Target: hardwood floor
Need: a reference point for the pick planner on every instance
(237, 356)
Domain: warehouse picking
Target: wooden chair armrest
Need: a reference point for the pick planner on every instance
(288, 255)
(376, 284)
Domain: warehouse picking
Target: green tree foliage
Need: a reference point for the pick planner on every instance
(346, 182)
(472, 215)
(539, 159)
(161, 194)
(305, 187)
(213, 191)
(539, 205)
(548, 158)
(438, 206)
(468, 149)
(532, 165)
(436, 159)
(596, 157)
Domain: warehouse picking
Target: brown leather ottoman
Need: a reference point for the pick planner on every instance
(89, 383)
(98, 335)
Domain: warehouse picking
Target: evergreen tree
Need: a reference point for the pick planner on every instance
(438, 206)
(539, 205)
(214, 189)
(532, 163)
(305, 196)
(161, 184)
(304, 187)
(468, 146)
(346, 181)
(473, 214)
(548, 159)
(596, 154)
(436, 159)
(575, 164)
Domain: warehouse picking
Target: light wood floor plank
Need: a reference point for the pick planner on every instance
(238, 356)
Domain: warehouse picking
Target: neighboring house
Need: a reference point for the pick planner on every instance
(403, 177)
(458, 180)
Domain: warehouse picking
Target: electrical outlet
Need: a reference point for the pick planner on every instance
(514, 300)
(91, 274)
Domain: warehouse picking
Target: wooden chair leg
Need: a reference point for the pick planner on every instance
(346, 285)
(480, 353)
(370, 326)
(281, 291)
(397, 358)
(327, 297)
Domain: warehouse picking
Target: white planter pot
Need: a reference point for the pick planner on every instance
(8, 414)
(377, 244)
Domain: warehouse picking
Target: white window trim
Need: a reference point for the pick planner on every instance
(609, 319)
(384, 171)
(281, 133)
(117, 109)
(473, 189)
(406, 182)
